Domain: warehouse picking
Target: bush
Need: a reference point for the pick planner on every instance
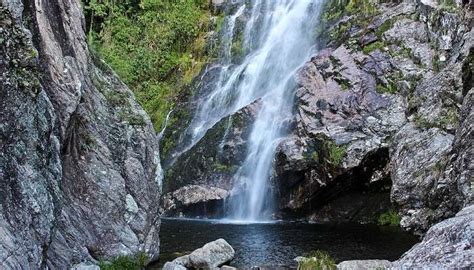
(317, 260)
(136, 262)
(389, 218)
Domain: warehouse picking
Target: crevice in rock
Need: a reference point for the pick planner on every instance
(55, 17)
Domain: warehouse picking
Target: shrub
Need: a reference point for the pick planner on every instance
(317, 260)
(389, 218)
(336, 153)
(136, 262)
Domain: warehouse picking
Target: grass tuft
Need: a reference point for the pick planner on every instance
(317, 260)
(136, 262)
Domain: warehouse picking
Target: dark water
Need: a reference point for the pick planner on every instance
(280, 243)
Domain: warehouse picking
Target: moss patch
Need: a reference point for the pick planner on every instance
(389, 218)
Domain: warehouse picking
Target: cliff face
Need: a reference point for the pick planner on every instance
(79, 167)
(383, 118)
(387, 103)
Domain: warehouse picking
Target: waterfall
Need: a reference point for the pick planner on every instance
(278, 38)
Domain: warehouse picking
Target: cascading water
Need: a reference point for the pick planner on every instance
(278, 38)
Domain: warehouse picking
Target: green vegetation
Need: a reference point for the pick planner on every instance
(389, 218)
(448, 119)
(225, 168)
(336, 153)
(136, 262)
(447, 5)
(373, 46)
(237, 48)
(386, 25)
(334, 10)
(389, 88)
(155, 46)
(437, 63)
(317, 260)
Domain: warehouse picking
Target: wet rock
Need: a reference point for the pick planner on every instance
(446, 245)
(364, 265)
(210, 256)
(430, 165)
(188, 199)
(406, 91)
(215, 158)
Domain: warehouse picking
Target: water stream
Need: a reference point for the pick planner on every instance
(277, 38)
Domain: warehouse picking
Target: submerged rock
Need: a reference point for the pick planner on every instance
(210, 256)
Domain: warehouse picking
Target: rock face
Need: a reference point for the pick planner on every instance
(383, 119)
(194, 200)
(211, 163)
(210, 256)
(340, 143)
(79, 166)
(446, 245)
(384, 104)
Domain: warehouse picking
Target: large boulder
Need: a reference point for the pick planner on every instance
(447, 245)
(431, 156)
(364, 265)
(210, 256)
(418, 159)
(194, 200)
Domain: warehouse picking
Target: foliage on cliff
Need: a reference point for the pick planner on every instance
(155, 46)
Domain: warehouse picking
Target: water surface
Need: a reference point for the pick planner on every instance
(279, 243)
